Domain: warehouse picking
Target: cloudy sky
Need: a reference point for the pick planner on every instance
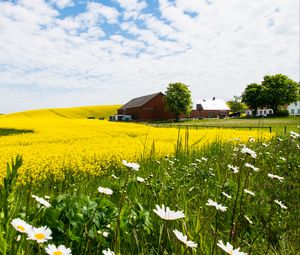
(61, 53)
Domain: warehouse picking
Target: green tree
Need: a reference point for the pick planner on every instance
(279, 90)
(253, 97)
(236, 104)
(178, 99)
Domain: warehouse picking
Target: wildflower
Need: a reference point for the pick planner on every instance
(216, 205)
(41, 235)
(279, 139)
(46, 197)
(282, 158)
(21, 225)
(115, 177)
(105, 234)
(167, 214)
(106, 191)
(265, 145)
(204, 159)
(42, 201)
(108, 252)
(294, 135)
(249, 152)
(51, 249)
(247, 218)
(134, 166)
(226, 195)
(140, 179)
(229, 248)
(251, 139)
(234, 169)
(249, 192)
(183, 238)
(255, 169)
(280, 204)
(273, 176)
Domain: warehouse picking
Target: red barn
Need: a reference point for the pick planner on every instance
(145, 108)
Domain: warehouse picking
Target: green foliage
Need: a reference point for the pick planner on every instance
(178, 99)
(236, 105)
(274, 91)
(79, 215)
(252, 97)
(279, 90)
(282, 113)
(8, 203)
(13, 131)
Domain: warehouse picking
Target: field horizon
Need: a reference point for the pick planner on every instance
(77, 112)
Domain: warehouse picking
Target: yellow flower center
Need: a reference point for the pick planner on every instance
(57, 253)
(21, 228)
(39, 236)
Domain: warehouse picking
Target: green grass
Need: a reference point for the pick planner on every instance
(278, 125)
(79, 214)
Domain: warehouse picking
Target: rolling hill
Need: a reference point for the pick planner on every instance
(70, 113)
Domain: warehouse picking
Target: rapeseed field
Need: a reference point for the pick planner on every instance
(60, 144)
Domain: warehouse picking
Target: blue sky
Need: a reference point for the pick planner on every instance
(61, 53)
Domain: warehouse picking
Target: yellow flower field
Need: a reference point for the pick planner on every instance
(80, 145)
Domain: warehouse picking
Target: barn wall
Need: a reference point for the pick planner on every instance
(152, 110)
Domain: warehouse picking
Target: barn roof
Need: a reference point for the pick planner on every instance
(139, 101)
(213, 104)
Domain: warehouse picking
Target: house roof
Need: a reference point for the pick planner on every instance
(139, 101)
(213, 104)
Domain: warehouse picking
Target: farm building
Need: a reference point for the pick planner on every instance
(294, 108)
(260, 112)
(147, 108)
(210, 108)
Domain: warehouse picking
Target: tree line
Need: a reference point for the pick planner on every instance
(273, 92)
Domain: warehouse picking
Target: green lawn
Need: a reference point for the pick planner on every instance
(278, 125)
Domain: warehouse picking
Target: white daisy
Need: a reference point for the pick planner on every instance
(249, 192)
(255, 169)
(216, 205)
(41, 235)
(115, 177)
(226, 195)
(280, 204)
(106, 191)
(140, 179)
(274, 176)
(167, 214)
(234, 169)
(247, 218)
(183, 238)
(249, 152)
(134, 166)
(108, 252)
(51, 249)
(42, 201)
(229, 248)
(294, 135)
(21, 225)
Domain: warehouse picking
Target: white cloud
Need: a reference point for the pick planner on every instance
(218, 50)
(61, 4)
(132, 7)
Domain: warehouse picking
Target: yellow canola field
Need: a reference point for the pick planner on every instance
(61, 145)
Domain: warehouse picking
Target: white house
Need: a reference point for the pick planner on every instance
(294, 108)
(260, 112)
